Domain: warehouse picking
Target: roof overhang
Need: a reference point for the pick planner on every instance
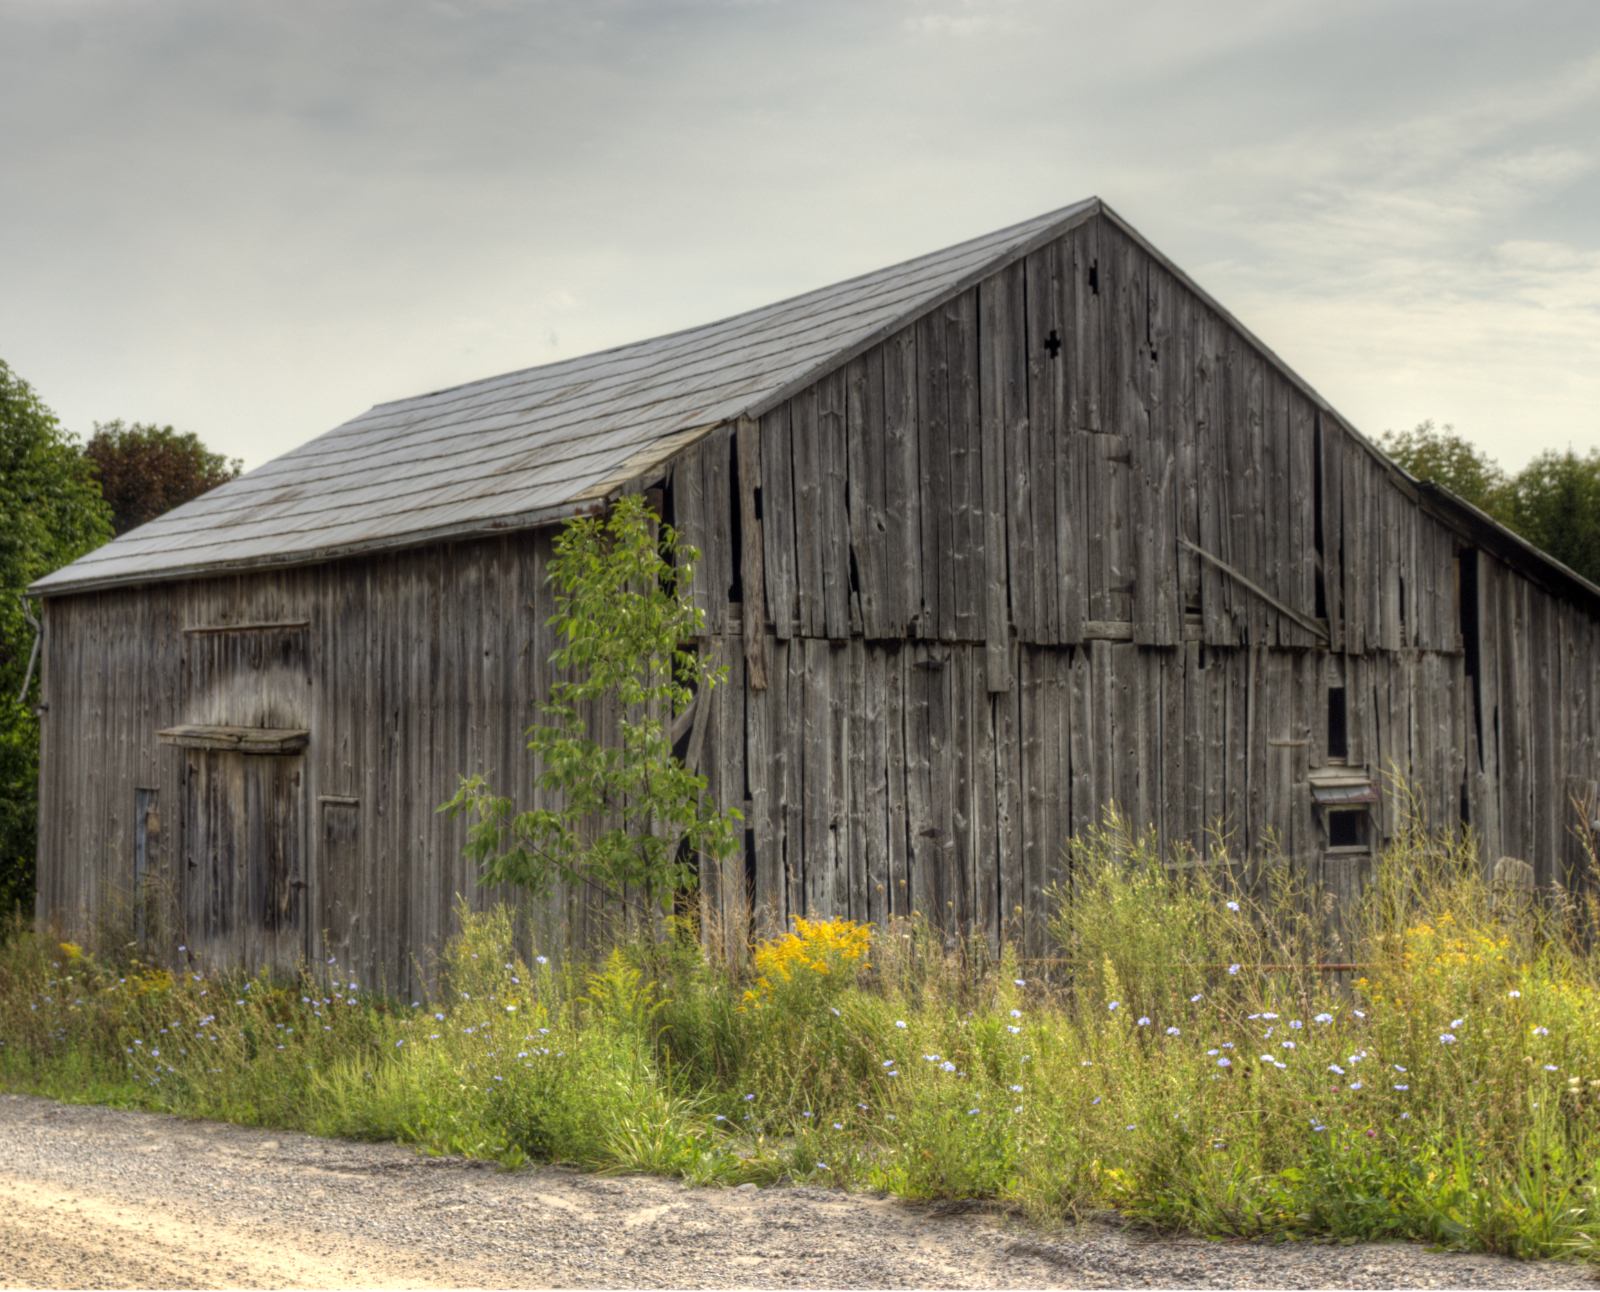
(538, 519)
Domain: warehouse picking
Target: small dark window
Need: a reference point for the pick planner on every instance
(1338, 729)
(1347, 829)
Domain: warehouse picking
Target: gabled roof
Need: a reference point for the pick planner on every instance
(537, 445)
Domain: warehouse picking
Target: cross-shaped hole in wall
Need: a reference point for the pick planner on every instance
(1052, 343)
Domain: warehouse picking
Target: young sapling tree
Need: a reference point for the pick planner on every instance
(626, 813)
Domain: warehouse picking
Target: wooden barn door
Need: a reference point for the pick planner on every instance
(245, 884)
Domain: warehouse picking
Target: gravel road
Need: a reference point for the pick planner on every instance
(95, 1197)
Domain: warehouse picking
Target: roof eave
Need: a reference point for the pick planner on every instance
(1506, 545)
(488, 528)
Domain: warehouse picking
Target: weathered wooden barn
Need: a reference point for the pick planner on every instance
(991, 539)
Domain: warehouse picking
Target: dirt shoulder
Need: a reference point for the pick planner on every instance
(94, 1197)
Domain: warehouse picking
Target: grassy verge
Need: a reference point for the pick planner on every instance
(1180, 1059)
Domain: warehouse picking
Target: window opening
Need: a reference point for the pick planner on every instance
(1347, 829)
(1338, 724)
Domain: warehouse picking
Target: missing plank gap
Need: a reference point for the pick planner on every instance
(1094, 277)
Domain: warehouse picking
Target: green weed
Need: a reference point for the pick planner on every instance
(1179, 1057)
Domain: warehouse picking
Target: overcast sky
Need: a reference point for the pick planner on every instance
(255, 219)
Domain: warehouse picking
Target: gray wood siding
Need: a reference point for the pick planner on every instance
(1066, 436)
(415, 668)
(993, 554)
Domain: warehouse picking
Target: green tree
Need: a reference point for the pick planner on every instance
(146, 470)
(51, 513)
(1553, 502)
(626, 813)
(1555, 505)
(1437, 453)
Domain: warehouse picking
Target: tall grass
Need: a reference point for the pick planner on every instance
(1180, 1057)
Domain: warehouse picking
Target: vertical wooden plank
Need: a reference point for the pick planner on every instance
(1278, 560)
(752, 564)
(1547, 700)
(1282, 728)
(1250, 502)
(859, 708)
(1488, 691)
(1031, 843)
(937, 511)
(1169, 745)
(902, 483)
(833, 454)
(963, 860)
(733, 895)
(1109, 515)
(1214, 694)
(1212, 431)
(767, 753)
(1123, 268)
(809, 470)
(985, 908)
(1072, 403)
(821, 849)
(799, 740)
(777, 522)
(689, 517)
(1063, 727)
(1136, 764)
(1331, 512)
(1235, 722)
(1363, 553)
(871, 794)
(1080, 269)
(1008, 806)
(923, 813)
(1393, 570)
(1002, 389)
(1038, 438)
(898, 856)
(965, 545)
(1156, 612)
(1102, 724)
(1196, 712)
(1301, 538)
(717, 555)
(867, 446)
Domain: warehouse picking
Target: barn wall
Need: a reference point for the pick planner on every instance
(988, 620)
(409, 670)
(886, 778)
(1022, 463)
(981, 620)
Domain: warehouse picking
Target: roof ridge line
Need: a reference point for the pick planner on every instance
(1067, 212)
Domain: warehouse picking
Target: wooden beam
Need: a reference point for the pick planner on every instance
(1305, 621)
(287, 625)
(244, 740)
